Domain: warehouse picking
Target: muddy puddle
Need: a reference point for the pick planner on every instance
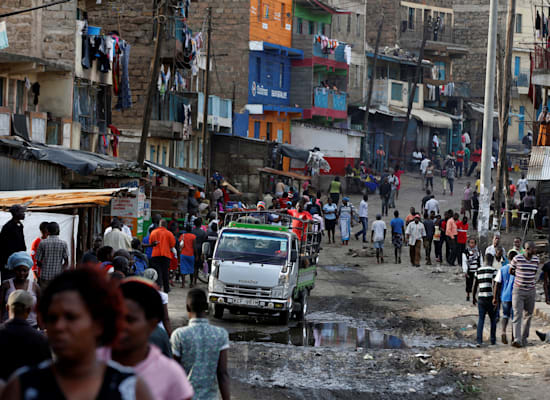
(324, 334)
(336, 268)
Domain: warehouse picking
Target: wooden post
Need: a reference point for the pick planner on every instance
(369, 94)
(205, 132)
(412, 93)
(504, 110)
(153, 78)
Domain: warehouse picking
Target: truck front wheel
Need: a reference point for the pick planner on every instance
(218, 311)
(301, 314)
(284, 317)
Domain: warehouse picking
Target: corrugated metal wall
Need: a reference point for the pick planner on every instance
(28, 175)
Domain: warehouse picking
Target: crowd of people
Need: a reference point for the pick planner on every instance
(103, 327)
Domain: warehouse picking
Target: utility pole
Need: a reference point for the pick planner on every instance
(153, 77)
(205, 132)
(369, 93)
(486, 186)
(413, 91)
(504, 110)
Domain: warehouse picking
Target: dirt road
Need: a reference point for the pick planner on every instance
(384, 331)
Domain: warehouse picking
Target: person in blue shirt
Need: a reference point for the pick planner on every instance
(397, 233)
(503, 294)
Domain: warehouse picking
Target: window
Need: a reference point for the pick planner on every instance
(268, 132)
(311, 27)
(348, 27)
(358, 26)
(517, 63)
(280, 135)
(281, 75)
(259, 10)
(164, 153)
(518, 23)
(322, 28)
(282, 15)
(440, 66)
(411, 18)
(258, 70)
(19, 99)
(396, 91)
(336, 22)
(357, 76)
(299, 27)
(256, 129)
(1, 92)
(266, 14)
(152, 153)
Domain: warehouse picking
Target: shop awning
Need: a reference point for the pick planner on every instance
(63, 198)
(539, 164)
(184, 177)
(291, 175)
(431, 118)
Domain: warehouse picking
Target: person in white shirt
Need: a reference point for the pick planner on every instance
(493, 162)
(364, 218)
(423, 168)
(466, 140)
(124, 228)
(394, 182)
(377, 237)
(435, 141)
(496, 244)
(116, 238)
(523, 187)
(416, 158)
(414, 234)
(432, 205)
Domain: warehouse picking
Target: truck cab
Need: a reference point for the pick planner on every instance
(262, 268)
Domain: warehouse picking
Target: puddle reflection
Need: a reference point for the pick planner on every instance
(326, 334)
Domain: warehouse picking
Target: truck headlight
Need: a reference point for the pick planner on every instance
(215, 286)
(283, 279)
(277, 292)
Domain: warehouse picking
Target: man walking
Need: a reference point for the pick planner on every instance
(200, 238)
(202, 349)
(484, 281)
(377, 237)
(394, 183)
(429, 226)
(364, 217)
(523, 187)
(385, 190)
(451, 232)
(52, 255)
(162, 253)
(414, 234)
(471, 261)
(432, 205)
(524, 268)
(12, 238)
(397, 233)
(504, 284)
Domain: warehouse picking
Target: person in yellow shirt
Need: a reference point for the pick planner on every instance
(478, 184)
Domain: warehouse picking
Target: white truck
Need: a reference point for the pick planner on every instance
(263, 266)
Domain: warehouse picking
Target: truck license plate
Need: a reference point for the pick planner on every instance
(249, 302)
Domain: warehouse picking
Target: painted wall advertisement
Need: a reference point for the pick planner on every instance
(131, 210)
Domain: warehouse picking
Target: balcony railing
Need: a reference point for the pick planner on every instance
(169, 107)
(331, 99)
(336, 54)
(416, 33)
(522, 79)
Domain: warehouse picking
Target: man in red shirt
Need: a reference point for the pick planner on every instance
(475, 159)
(34, 246)
(461, 237)
(513, 189)
(459, 162)
(162, 253)
(299, 212)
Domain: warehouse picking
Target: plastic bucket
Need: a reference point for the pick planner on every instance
(94, 30)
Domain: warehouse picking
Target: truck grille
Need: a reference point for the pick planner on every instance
(247, 291)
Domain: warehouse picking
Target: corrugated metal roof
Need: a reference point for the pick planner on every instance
(539, 164)
(187, 178)
(28, 174)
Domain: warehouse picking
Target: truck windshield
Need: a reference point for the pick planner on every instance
(252, 247)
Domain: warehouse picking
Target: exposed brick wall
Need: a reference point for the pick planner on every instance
(47, 33)
(230, 36)
(471, 29)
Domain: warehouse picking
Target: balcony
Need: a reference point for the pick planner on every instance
(390, 92)
(220, 113)
(315, 54)
(168, 114)
(541, 69)
(328, 103)
(411, 38)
